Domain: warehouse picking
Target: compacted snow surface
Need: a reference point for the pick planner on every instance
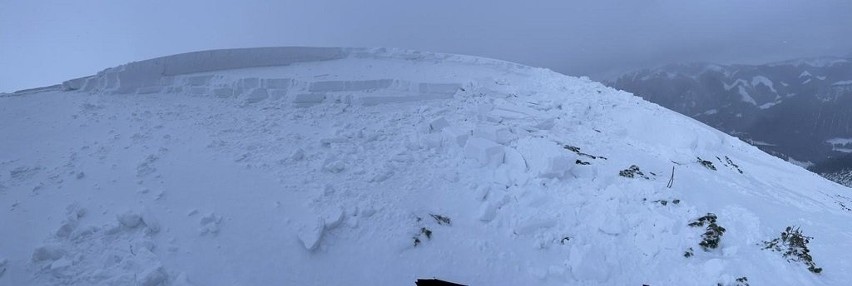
(304, 166)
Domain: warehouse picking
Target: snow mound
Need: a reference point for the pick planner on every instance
(332, 166)
(120, 253)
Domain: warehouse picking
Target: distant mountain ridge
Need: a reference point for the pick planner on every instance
(799, 110)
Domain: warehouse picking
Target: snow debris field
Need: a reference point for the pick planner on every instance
(327, 166)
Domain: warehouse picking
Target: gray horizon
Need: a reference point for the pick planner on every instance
(47, 42)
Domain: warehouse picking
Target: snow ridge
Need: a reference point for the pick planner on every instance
(377, 166)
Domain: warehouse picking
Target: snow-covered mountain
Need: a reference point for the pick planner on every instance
(327, 166)
(799, 110)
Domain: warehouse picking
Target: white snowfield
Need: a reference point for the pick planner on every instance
(325, 166)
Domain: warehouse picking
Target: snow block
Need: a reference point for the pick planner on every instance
(205, 61)
(514, 168)
(433, 140)
(181, 280)
(198, 91)
(533, 225)
(515, 161)
(256, 95)
(277, 94)
(483, 111)
(245, 85)
(149, 89)
(376, 100)
(333, 165)
(201, 80)
(455, 136)
(590, 263)
(128, 78)
(546, 124)
(210, 224)
(485, 151)
(506, 110)
(438, 124)
(48, 252)
(584, 171)
(61, 263)
(546, 158)
(153, 276)
(445, 89)
(559, 167)
(488, 211)
(327, 86)
(110, 81)
(223, 92)
(311, 234)
(363, 85)
(308, 99)
(333, 217)
(150, 221)
(129, 219)
(500, 134)
(369, 84)
(249, 83)
(75, 84)
(66, 228)
(278, 83)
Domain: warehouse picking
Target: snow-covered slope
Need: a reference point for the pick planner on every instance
(795, 109)
(302, 166)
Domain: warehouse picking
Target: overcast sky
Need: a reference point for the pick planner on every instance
(45, 42)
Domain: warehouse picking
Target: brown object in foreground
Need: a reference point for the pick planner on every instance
(435, 282)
